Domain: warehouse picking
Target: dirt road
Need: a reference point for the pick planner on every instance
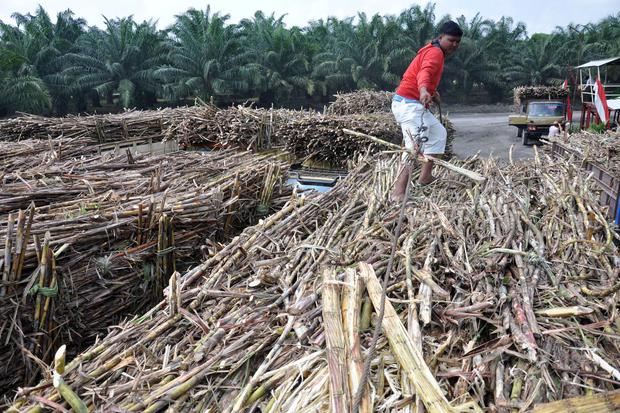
(489, 134)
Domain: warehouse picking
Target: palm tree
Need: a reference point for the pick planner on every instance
(502, 37)
(468, 68)
(279, 59)
(602, 40)
(120, 60)
(205, 58)
(23, 92)
(31, 57)
(418, 25)
(535, 63)
(473, 65)
(361, 56)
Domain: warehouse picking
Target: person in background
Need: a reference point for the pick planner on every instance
(565, 130)
(554, 130)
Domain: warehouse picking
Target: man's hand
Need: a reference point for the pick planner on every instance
(425, 97)
(436, 98)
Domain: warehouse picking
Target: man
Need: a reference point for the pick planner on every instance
(416, 91)
(554, 130)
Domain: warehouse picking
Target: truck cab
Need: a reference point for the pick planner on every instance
(537, 117)
(536, 108)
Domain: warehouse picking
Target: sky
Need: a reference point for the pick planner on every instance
(539, 16)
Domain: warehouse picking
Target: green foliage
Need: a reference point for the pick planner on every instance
(205, 58)
(31, 57)
(54, 67)
(279, 68)
(119, 61)
(597, 128)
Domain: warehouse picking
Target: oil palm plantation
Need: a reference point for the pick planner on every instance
(31, 56)
(118, 61)
(205, 59)
(280, 68)
(53, 67)
(535, 62)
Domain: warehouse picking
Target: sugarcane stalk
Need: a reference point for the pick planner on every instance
(63, 389)
(404, 350)
(425, 158)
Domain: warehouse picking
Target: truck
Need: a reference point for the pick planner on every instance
(536, 109)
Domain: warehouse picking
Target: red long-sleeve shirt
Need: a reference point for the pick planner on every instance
(424, 70)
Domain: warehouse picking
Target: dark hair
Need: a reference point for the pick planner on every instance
(451, 28)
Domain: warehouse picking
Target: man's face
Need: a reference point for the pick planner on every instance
(449, 43)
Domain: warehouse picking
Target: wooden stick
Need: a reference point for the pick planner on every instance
(601, 403)
(424, 158)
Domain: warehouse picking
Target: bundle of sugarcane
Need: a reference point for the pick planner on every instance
(31, 153)
(303, 133)
(321, 136)
(132, 124)
(236, 126)
(368, 101)
(71, 268)
(499, 296)
(108, 177)
(601, 149)
(361, 102)
(537, 92)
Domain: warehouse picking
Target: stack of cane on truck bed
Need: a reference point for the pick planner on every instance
(304, 133)
(521, 93)
(379, 103)
(503, 296)
(132, 124)
(361, 101)
(90, 240)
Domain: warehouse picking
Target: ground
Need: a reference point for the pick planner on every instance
(484, 129)
(487, 133)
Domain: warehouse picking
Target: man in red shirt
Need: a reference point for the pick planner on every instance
(416, 91)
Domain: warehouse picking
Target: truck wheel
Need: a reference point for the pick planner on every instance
(519, 132)
(525, 137)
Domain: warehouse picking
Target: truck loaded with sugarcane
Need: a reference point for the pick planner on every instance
(536, 108)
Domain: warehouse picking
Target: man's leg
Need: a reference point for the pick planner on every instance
(435, 146)
(400, 186)
(426, 173)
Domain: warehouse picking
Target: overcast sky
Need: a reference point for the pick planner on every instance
(540, 16)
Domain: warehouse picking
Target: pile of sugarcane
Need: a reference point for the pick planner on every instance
(602, 149)
(236, 126)
(132, 124)
(33, 153)
(321, 136)
(500, 296)
(361, 101)
(88, 241)
(521, 93)
(110, 177)
(303, 133)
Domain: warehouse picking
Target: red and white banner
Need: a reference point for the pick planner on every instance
(600, 101)
(569, 110)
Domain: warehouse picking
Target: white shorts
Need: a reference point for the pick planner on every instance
(409, 116)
